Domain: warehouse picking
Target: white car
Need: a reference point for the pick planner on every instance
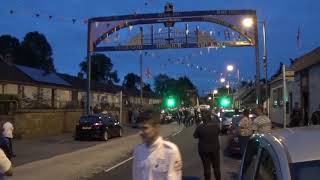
(284, 154)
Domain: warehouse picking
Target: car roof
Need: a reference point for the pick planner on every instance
(300, 144)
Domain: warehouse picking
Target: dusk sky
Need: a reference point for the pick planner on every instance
(68, 40)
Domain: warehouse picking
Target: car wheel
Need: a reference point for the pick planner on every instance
(120, 132)
(105, 136)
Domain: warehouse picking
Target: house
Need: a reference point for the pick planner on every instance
(52, 103)
(276, 112)
(38, 89)
(307, 79)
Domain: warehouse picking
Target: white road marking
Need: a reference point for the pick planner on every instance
(176, 133)
(119, 164)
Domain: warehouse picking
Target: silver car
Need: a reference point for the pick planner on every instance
(284, 154)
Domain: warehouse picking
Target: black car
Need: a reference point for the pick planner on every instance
(98, 126)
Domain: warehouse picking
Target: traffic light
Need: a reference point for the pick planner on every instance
(170, 102)
(225, 102)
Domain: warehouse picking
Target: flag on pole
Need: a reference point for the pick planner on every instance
(299, 37)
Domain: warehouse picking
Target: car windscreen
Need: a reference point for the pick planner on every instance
(305, 170)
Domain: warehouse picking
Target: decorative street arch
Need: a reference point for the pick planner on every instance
(100, 29)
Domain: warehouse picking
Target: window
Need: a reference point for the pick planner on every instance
(305, 170)
(266, 169)
(277, 97)
(250, 160)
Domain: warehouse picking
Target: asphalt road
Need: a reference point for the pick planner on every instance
(192, 167)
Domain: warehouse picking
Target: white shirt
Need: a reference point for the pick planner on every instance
(8, 129)
(160, 161)
(5, 164)
(262, 124)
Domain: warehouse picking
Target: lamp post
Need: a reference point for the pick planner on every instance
(230, 68)
(248, 23)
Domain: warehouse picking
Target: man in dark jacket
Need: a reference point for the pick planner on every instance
(208, 145)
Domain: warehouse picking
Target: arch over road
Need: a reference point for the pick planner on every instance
(101, 28)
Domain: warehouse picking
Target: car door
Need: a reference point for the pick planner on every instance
(260, 162)
(250, 161)
(266, 169)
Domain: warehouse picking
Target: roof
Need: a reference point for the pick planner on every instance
(307, 60)
(301, 144)
(11, 74)
(79, 83)
(41, 76)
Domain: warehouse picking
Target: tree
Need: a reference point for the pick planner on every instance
(147, 88)
(183, 89)
(161, 84)
(101, 69)
(131, 81)
(9, 46)
(36, 52)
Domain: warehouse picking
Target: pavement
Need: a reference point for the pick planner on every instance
(192, 166)
(43, 148)
(65, 159)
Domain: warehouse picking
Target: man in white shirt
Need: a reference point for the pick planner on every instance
(262, 124)
(155, 158)
(8, 133)
(5, 166)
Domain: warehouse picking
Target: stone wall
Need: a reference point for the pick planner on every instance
(35, 123)
(39, 123)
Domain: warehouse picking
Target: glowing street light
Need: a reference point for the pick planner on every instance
(222, 80)
(229, 68)
(228, 86)
(247, 22)
(215, 91)
(209, 98)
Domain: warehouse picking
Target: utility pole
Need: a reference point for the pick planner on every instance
(284, 96)
(88, 105)
(265, 63)
(141, 78)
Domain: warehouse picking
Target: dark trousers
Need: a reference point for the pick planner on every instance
(243, 143)
(10, 146)
(211, 159)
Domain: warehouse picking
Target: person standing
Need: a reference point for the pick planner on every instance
(245, 130)
(208, 145)
(5, 155)
(261, 124)
(8, 133)
(155, 158)
(296, 115)
(315, 117)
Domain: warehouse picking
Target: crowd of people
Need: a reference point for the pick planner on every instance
(157, 158)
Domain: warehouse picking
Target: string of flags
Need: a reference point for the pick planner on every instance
(227, 34)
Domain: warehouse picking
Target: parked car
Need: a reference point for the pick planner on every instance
(98, 126)
(226, 120)
(284, 154)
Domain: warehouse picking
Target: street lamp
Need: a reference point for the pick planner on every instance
(222, 80)
(228, 86)
(215, 91)
(229, 68)
(209, 98)
(247, 22)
